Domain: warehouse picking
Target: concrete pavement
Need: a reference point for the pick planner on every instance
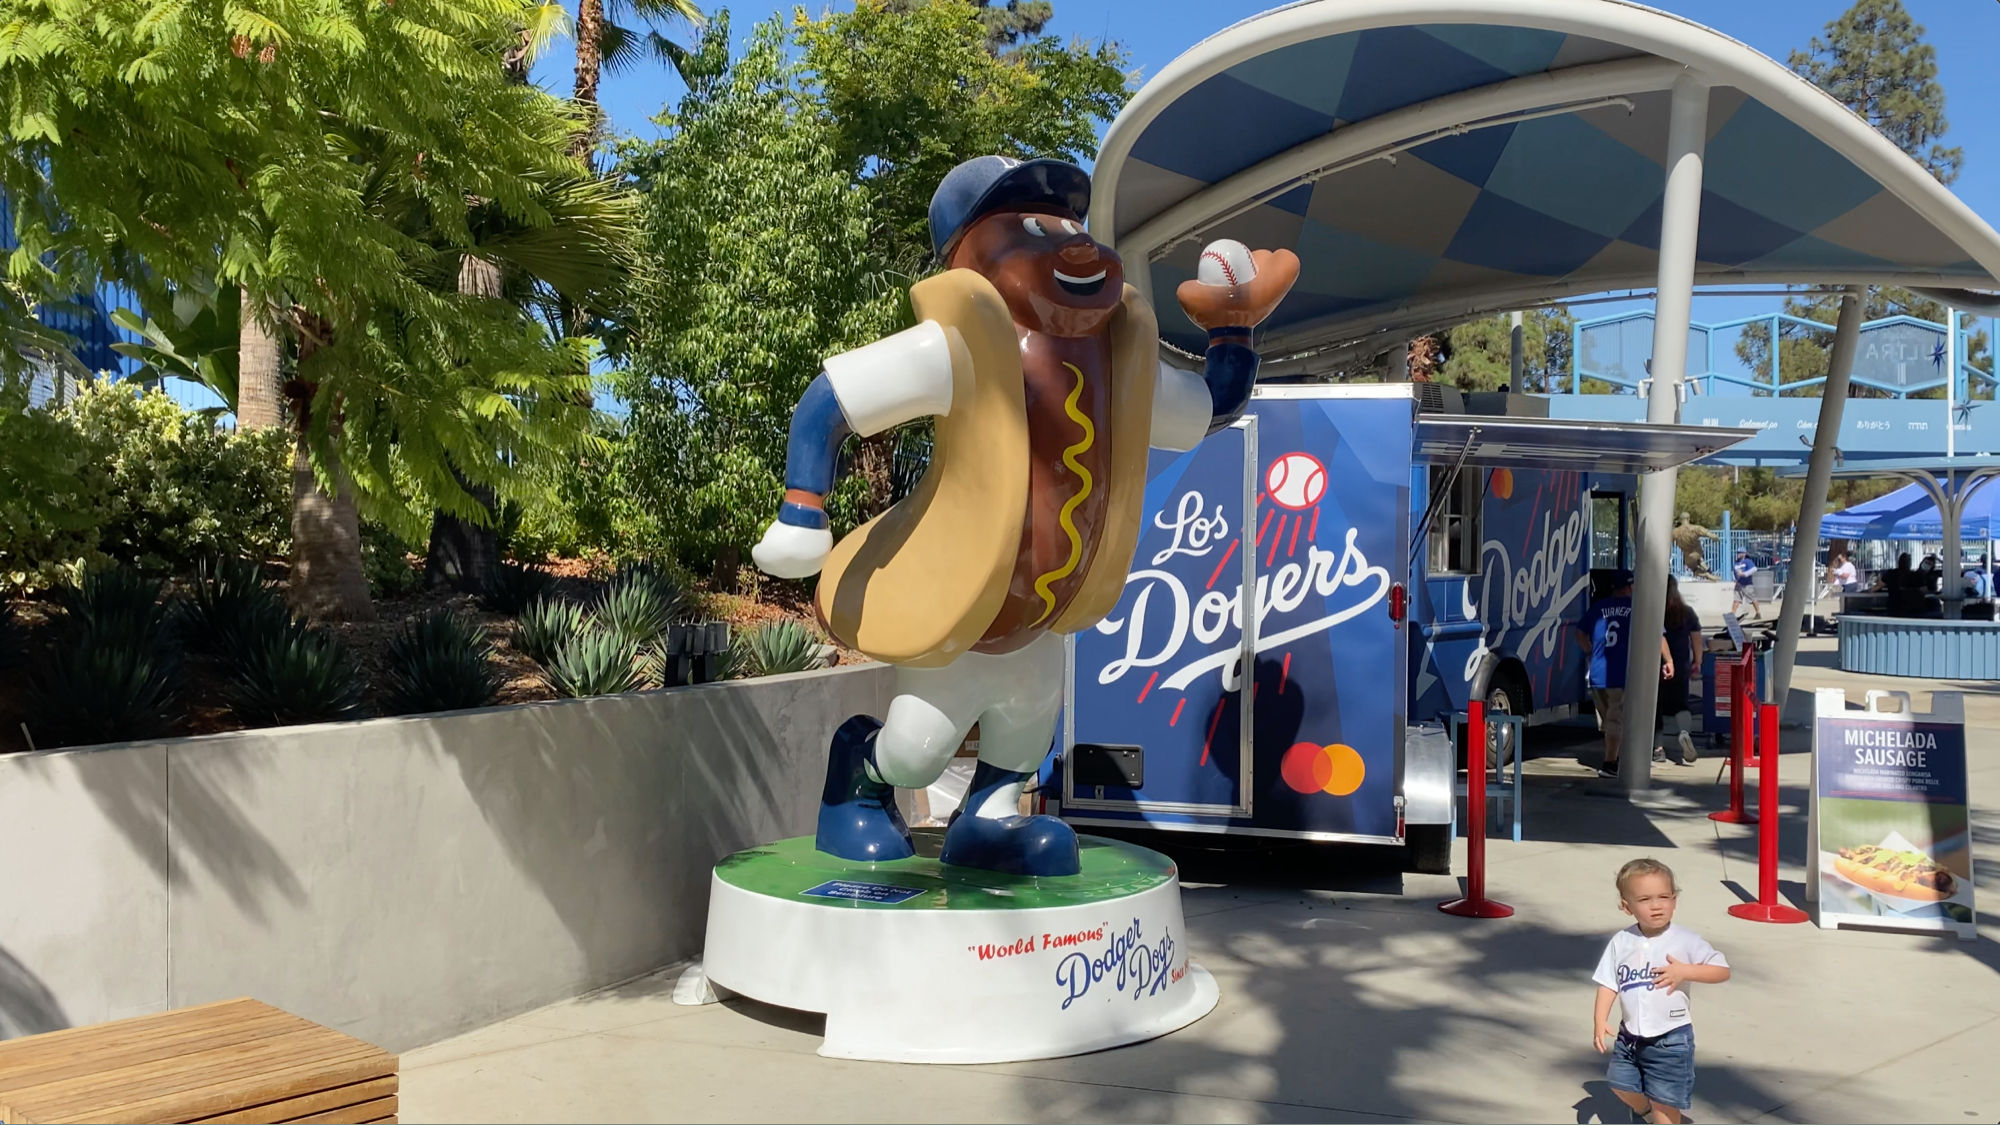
(1346, 996)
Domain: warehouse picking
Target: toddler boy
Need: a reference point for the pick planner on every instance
(1646, 968)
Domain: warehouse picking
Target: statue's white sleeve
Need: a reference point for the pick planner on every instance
(894, 380)
(1182, 408)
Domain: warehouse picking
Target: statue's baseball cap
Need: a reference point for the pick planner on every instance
(986, 184)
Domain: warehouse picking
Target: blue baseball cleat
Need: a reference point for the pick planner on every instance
(1012, 845)
(858, 818)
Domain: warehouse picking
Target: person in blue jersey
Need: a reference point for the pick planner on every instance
(1606, 629)
(1744, 571)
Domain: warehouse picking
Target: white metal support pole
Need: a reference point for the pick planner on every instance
(1951, 382)
(1680, 223)
(1819, 473)
(1514, 357)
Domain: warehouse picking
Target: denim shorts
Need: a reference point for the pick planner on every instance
(1662, 1068)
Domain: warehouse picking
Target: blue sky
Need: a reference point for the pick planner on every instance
(1966, 34)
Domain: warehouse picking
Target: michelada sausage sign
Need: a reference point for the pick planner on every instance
(1890, 816)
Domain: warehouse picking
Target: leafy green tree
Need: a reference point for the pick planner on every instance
(1478, 353)
(755, 244)
(333, 161)
(908, 94)
(1873, 58)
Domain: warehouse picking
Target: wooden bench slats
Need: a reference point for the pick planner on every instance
(141, 1038)
(317, 1102)
(266, 1070)
(84, 1060)
(354, 1114)
(383, 1121)
(236, 1060)
(207, 1095)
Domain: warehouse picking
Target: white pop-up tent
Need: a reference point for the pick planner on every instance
(1436, 160)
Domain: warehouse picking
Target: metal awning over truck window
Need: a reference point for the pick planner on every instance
(1550, 443)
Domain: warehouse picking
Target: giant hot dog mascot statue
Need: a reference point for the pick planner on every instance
(1041, 367)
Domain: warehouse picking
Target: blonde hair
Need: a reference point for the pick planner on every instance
(1646, 866)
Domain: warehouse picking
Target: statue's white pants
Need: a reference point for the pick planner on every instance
(1015, 698)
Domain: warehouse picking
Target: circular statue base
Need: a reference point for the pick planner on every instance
(916, 961)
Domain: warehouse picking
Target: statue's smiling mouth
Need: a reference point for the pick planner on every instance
(1081, 286)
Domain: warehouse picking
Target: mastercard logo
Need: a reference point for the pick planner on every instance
(1501, 484)
(1311, 768)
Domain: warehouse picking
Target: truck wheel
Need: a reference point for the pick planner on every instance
(1506, 695)
(1427, 849)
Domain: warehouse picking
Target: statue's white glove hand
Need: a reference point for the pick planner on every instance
(790, 551)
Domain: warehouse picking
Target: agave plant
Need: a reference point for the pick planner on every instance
(293, 674)
(596, 661)
(228, 599)
(515, 587)
(640, 603)
(774, 649)
(440, 662)
(545, 626)
(118, 606)
(96, 688)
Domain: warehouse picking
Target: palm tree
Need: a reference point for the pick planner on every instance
(581, 260)
(603, 43)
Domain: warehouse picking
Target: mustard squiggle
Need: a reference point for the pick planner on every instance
(1045, 584)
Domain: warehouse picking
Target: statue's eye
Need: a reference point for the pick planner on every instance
(1033, 226)
(1069, 227)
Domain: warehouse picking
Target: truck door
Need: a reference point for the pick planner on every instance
(1332, 542)
(1155, 721)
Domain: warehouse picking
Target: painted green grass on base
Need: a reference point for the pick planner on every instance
(1111, 870)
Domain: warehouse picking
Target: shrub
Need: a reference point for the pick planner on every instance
(639, 604)
(180, 488)
(596, 661)
(293, 674)
(774, 649)
(55, 491)
(97, 687)
(226, 598)
(440, 662)
(385, 562)
(116, 605)
(515, 587)
(545, 626)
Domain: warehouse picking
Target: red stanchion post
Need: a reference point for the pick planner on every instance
(1475, 904)
(1746, 702)
(1739, 739)
(1767, 908)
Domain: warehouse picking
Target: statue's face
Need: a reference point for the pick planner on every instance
(1053, 275)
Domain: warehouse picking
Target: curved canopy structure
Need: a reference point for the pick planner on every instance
(1434, 160)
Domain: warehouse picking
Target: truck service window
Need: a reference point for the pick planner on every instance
(1454, 534)
(1607, 531)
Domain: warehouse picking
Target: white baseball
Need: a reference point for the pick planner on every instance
(1296, 480)
(1225, 262)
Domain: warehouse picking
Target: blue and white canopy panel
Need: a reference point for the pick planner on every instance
(1431, 160)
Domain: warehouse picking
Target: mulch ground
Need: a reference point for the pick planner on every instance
(368, 644)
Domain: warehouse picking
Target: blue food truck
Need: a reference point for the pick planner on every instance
(1408, 549)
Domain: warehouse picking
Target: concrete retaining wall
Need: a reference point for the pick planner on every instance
(399, 879)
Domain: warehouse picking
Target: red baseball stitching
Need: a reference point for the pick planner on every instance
(1223, 262)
